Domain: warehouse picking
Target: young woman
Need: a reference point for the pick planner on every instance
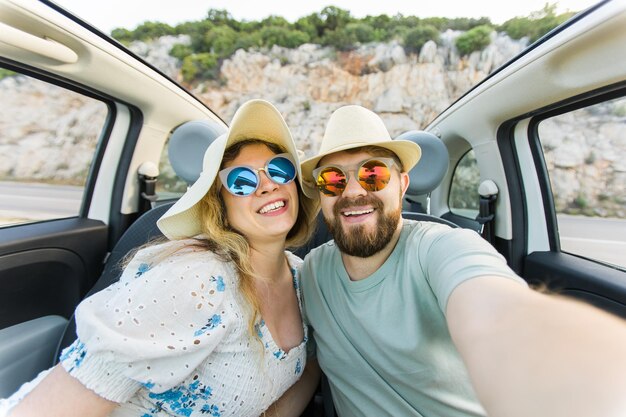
(208, 323)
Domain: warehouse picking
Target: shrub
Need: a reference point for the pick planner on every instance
(281, 36)
(474, 40)
(180, 51)
(273, 20)
(334, 18)
(580, 201)
(152, 30)
(248, 40)
(221, 17)
(197, 66)
(362, 32)
(415, 38)
(221, 40)
(311, 25)
(536, 25)
(340, 39)
(6, 73)
(122, 35)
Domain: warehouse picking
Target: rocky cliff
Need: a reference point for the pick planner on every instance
(307, 84)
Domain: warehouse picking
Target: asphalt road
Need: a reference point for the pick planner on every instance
(28, 201)
(596, 238)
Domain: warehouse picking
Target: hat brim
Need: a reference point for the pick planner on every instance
(408, 152)
(255, 119)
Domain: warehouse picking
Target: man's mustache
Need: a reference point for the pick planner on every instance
(344, 203)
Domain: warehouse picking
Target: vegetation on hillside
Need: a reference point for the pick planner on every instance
(219, 35)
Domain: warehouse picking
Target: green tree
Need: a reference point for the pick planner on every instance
(221, 17)
(382, 26)
(152, 30)
(180, 51)
(340, 39)
(474, 40)
(221, 40)
(517, 27)
(335, 18)
(122, 35)
(248, 40)
(198, 66)
(282, 36)
(6, 73)
(196, 31)
(312, 24)
(273, 20)
(415, 38)
(360, 31)
(537, 24)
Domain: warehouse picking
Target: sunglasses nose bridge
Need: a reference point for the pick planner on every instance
(353, 187)
(265, 182)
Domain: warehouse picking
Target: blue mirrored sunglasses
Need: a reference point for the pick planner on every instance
(243, 180)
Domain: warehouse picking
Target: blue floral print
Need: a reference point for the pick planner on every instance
(219, 280)
(211, 410)
(280, 354)
(143, 268)
(183, 400)
(76, 352)
(298, 367)
(213, 322)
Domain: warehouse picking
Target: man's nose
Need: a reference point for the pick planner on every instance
(353, 188)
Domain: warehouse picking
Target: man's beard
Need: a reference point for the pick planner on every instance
(358, 242)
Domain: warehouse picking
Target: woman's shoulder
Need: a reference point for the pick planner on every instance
(177, 251)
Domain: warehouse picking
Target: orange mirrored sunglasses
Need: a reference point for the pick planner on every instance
(372, 174)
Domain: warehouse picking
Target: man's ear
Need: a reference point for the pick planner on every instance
(405, 181)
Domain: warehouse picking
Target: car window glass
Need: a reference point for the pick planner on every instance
(585, 153)
(48, 137)
(464, 199)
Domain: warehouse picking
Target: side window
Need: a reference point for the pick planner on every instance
(463, 199)
(585, 153)
(48, 137)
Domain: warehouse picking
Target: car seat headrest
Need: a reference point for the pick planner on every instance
(432, 167)
(187, 146)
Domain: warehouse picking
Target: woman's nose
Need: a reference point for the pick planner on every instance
(266, 185)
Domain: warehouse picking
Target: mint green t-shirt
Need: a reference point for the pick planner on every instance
(383, 341)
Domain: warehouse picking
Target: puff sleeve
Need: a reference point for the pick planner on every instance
(156, 325)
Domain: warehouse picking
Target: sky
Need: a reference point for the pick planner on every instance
(110, 14)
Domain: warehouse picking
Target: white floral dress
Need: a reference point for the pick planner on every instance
(171, 339)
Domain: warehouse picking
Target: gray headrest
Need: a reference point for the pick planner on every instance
(433, 165)
(187, 146)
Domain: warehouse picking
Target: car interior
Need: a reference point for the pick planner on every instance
(493, 135)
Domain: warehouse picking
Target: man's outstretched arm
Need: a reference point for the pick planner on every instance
(531, 354)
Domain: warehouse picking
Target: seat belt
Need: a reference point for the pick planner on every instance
(488, 191)
(148, 173)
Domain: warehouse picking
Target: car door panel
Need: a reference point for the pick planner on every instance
(26, 349)
(46, 268)
(570, 275)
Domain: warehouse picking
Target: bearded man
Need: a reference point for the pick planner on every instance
(415, 318)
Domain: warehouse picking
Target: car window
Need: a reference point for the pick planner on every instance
(463, 199)
(585, 153)
(48, 137)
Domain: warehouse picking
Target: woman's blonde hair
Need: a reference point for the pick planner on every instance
(233, 246)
